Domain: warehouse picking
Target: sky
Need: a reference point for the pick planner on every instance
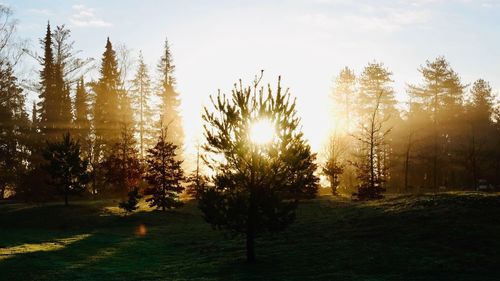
(307, 42)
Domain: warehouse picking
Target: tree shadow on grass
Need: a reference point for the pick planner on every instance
(331, 240)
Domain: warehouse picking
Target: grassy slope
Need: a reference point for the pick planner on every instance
(438, 237)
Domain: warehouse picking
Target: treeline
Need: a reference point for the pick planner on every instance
(97, 135)
(447, 137)
(107, 137)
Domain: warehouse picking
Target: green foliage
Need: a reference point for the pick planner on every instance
(256, 189)
(68, 171)
(164, 175)
(133, 199)
(48, 105)
(13, 130)
(58, 64)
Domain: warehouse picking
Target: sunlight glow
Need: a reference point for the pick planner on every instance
(262, 131)
(57, 244)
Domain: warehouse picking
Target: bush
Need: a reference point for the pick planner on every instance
(133, 199)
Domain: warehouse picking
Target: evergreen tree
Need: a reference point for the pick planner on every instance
(335, 163)
(82, 122)
(68, 171)
(344, 96)
(141, 97)
(196, 180)
(49, 101)
(170, 100)
(476, 133)
(106, 104)
(371, 140)
(374, 80)
(481, 105)
(132, 202)
(440, 96)
(121, 165)
(14, 124)
(345, 109)
(34, 117)
(375, 91)
(164, 174)
(256, 187)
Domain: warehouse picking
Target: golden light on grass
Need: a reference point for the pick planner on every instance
(262, 131)
(40, 247)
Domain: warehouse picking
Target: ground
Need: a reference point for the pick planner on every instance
(451, 236)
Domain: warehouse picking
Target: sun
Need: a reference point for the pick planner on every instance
(262, 131)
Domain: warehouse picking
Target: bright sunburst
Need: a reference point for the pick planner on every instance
(262, 131)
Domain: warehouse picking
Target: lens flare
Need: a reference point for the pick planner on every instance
(262, 131)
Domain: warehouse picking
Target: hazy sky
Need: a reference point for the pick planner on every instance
(307, 42)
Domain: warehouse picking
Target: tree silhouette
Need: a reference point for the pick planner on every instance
(130, 204)
(256, 187)
(370, 168)
(164, 174)
(123, 169)
(441, 97)
(170, 100)
(14, 129)
(48, 105)
(335, 161)
(68, 171)
(106, 104)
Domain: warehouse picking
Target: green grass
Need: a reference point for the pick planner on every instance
(453, 236)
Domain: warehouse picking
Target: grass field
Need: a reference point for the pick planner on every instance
(453, 236)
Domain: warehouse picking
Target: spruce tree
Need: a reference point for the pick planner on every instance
(106, 104)
(68, 171)
(49, 101)
(164, 174)
(123, 171)
(170, 100)
(141, 97)
(131, 204)
(82, 122)
(14, 125)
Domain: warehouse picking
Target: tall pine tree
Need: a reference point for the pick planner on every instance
(49, 101)
(170, 100)
(106, 103)
(82, 122)
(440, 96)
(14, 124)
(141, 97)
